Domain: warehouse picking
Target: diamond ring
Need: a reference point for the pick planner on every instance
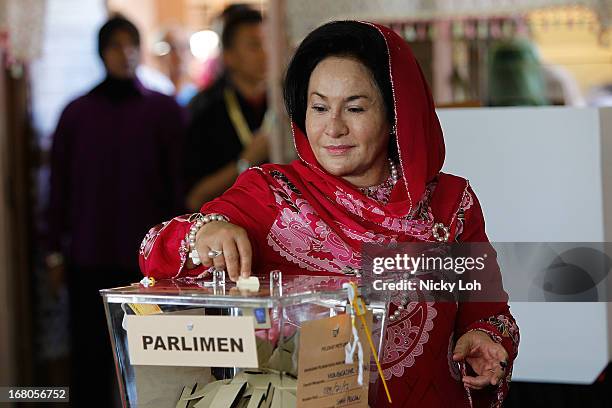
(213, 253)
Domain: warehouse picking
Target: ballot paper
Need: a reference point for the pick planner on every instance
(283, 399)
(256, 398)
(228, 396)
(248, 389)
(193, 394)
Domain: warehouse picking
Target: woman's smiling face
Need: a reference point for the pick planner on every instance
(346, 121)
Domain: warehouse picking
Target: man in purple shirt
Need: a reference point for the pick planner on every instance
(115, 172)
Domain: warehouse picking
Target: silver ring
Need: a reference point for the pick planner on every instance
(213, 253)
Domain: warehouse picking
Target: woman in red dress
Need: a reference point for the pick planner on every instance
(370, 150)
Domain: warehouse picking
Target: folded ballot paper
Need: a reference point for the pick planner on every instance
(248, 389)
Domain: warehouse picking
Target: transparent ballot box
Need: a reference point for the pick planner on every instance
(294, 341)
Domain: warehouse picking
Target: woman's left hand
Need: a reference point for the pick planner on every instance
(487, 358)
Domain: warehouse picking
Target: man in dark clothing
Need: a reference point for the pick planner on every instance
(225, 136)
(115, 172)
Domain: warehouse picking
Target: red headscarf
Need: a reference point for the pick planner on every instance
(418, 133)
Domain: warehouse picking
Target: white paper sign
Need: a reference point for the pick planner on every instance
(197, 341)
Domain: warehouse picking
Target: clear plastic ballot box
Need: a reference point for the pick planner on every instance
(294, 341)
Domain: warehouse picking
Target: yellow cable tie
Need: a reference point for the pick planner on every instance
(360, 310)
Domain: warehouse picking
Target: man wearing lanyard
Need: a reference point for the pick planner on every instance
(226, 135)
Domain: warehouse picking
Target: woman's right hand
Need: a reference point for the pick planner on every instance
(233, 241)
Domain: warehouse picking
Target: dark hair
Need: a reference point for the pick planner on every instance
(232, 8)
(338, 38)
(240, 16)
(116, 23)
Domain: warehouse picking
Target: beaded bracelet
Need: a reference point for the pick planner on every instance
(200, 221)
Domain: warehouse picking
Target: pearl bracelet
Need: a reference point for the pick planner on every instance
(200, 221)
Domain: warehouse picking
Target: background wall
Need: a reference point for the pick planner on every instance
(539, 174)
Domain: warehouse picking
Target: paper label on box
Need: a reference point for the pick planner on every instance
(196, 341)
(324, 380)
